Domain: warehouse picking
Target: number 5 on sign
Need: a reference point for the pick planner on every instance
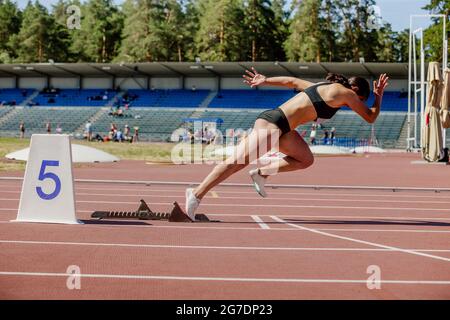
(43, 175)
(47, 191)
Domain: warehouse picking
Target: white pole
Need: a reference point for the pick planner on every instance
(412, 74)
(444, 67)
(415, 88)
(422, 86)
(408, 139)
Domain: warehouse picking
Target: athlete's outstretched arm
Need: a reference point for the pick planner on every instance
(254, 79)
(367, 113)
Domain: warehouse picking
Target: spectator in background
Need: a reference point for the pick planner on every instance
(207, 136)
(313, 134)
(112, 132)
(48, 127)
(119, 136)
(88, 130)
(191, 136)
(22, 129)
(58, 129)
(111, 135)
(126, 132)
(333, 135)
(98, 137)
(198, 135)
(326, 136)
(136, 134)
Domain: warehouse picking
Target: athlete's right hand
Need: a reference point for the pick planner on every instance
(380, 85)
(253, 78)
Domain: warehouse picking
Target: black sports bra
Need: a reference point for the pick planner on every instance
(323, 110)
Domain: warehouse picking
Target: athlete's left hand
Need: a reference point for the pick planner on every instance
(380, 85)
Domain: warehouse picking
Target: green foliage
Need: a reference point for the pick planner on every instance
(259, 26)
(40, 37)
(434, 34)
(10, 20)
(98, 38)
(212, 30)
(304, 43)
(153, 31)
(219, 36)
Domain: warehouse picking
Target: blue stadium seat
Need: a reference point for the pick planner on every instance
(167, 98)
(75, 97)
(392, 101)
(14, 96)
(268, 99)
(264, 99)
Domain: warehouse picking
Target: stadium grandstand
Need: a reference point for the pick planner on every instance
(157, 97)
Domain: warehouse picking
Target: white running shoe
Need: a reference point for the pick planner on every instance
(192, 203)
(258, 182)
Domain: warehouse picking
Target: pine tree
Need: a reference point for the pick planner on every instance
(98, 39)
(40, 37)
(191, 25)
(220, 35)
(138, 42)
(401, 46)
(10, 20)
(304, 41)
(281, 29)
(433, 34)
(359, 39)
(385, 48)
(260, 30)
(153, 31)
(172, 33)
(330, 21)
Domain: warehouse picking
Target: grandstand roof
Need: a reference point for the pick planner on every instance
(203, 69)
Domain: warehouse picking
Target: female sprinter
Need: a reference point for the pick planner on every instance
(276, 128)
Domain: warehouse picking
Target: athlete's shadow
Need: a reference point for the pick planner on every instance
(116, 223)
(372, 222)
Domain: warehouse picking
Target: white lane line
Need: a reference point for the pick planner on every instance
(316, 193)
(361, 241)
(222, 279)
(245, 248)
(260, 205)
(261, 223)
(214, 194)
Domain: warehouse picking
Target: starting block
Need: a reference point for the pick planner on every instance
(145, 213)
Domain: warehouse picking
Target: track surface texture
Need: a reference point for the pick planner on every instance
(299, 243)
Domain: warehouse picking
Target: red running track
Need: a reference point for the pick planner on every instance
(296, 244)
